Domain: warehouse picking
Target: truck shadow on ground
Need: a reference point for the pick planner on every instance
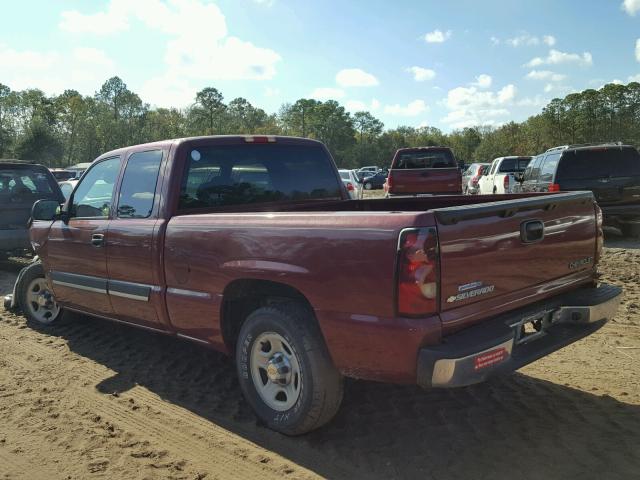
(518, 426)
(613, 238)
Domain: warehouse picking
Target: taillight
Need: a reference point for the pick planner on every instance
(418, 272)
(389, 182)
(475, 180)
(350, 186)
(505, 183)
(554, 187)
(599, 233)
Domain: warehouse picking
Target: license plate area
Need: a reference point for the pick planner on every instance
(532, 327)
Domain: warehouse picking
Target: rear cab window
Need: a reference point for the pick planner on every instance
(226, 175)
(599, 163)
(20, 181)
(509, 165)
(420, 159)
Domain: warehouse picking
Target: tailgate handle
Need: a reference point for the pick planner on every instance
(531, 231)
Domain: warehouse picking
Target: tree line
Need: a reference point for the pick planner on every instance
(70, 128)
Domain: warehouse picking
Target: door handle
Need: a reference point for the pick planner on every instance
(531, 231)
(97, 239)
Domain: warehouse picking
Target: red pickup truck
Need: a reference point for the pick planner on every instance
(251, 245)
(424, 170)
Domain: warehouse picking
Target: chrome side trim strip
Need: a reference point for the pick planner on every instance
(128, 295)
(193, 339)
(188, 293)
(79, 287)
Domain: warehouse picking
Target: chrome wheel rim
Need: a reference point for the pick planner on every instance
(40, 302)
(367, 186)
(275, 371)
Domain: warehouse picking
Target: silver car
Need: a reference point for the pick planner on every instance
(471, 176)
(350, 180)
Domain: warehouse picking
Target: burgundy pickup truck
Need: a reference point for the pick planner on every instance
(251, 245)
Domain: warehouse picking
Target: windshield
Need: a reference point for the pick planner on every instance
(218, 176)
(605, 163)
(514, 164)
(425, 159)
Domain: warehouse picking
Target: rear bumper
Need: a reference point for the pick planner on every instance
(14, 239)
(496, 346)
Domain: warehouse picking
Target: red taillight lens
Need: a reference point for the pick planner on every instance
(418, 272)
(389, 181)
(554, 187)
(599, 233)
(350, 186)
(475, 180)
(505, 183)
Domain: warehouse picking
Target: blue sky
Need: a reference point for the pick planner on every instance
(443, 64)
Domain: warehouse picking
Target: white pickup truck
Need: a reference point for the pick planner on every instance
(501, 176)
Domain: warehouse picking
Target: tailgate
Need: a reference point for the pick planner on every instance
(491, 251)
(426, 180)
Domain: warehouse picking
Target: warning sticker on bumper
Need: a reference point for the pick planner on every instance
(490, 358)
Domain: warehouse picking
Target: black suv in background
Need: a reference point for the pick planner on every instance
(21, 185)
(610, 170)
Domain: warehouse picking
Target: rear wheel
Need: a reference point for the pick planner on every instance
(368, 186)
(36, 298)
(285, 370)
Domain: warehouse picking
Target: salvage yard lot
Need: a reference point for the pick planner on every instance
(92, 399)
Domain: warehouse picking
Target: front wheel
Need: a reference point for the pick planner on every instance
(285, 370)
(36, 298)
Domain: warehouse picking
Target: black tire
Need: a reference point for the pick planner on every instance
(321, 385)
(631, 230)
(29, 274)
(368, 186)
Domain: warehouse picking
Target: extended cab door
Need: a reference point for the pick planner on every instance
(76, 259)
(133, 255)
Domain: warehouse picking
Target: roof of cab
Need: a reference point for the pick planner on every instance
(212, 139)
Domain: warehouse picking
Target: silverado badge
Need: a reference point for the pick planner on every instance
(470, 290)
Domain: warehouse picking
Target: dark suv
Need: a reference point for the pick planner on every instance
(611, 171)
(21, 185)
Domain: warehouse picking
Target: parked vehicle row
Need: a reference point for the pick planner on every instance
(252, 246)
(501, 177)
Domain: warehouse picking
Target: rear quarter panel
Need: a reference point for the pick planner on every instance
(343, 263)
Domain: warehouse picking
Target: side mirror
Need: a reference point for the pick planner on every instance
(46, 210)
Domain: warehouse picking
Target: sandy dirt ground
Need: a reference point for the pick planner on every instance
(92, 399)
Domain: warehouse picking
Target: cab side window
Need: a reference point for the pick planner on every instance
(139, 182)
(548, 169)
(533, 169)
(93, 195)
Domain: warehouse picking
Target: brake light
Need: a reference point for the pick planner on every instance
(476, 179)
(418, 272)
(260, 139)
(350, 186)
(389, 182)
(599, 233)
(554, 187)
(505, 183)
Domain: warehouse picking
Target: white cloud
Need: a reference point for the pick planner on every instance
(437, 36)
(358, 105)
(355, 77)
(631, 6)
(198, 47)
(638, 50)
(634, 78)
(557, 57)
(494, 40)
(527, 39)
(412, 109)
(271, 92)
(469, 106)
(83, 69)
(524, 39)
(545, 75)
(327, 93)
(483, 81)
(421, 74)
